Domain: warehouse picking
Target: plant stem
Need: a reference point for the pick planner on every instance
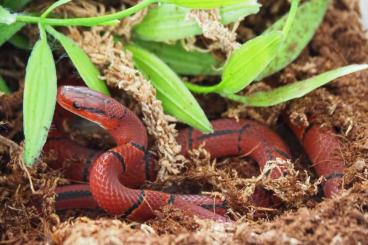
(245, 100)
(91, 21)
(200, 89)
(53, 7)
(258, 99)
(292, 14)
(43, 35)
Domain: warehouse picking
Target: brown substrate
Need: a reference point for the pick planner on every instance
(309, 219)
(339, 221)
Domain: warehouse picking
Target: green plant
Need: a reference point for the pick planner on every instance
(263, 56)
(182, 61)
(255, 59)
(40, 83)
(3, 86)
(161, 24)
(175, 97)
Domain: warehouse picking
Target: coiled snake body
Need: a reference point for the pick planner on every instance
(115, 175)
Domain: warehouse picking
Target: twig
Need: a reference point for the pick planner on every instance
(9, 143)
(15, 147)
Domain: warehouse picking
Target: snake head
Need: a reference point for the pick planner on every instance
(91, 105)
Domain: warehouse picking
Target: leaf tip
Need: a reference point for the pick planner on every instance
(206, 128)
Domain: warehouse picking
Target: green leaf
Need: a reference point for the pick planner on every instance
(175, 97)
(232, 13)
(53, 7)
(291, 17)
(20, 41)
(246, 63)
(294, 90)
(15, 4)
(182, 61)
(308, 19)
(87, 70)
(3, 86)
(7, 31)
(6, 17)
(168, 22)
(39, 99)
(204, 4)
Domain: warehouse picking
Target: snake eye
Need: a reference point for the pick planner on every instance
(76, 105)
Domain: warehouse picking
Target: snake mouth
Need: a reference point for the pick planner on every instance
(68, 97)
(75, 97)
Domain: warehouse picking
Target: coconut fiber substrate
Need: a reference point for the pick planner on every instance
(27, 214)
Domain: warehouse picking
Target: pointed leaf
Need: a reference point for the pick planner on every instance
(39, 99)
(7, 31)
(175, 97)
(182, 61)
(6, 17)
(308, 19)
(295, 90)
(246, 63)
(21, 42)
(87, 70)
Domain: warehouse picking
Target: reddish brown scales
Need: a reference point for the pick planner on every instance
(128, 165)
(125, 165)
(73, 159)
(69, 197)
(324, 150)
(231, 138)
(80, 196)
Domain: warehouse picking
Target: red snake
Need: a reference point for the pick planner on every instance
(114, 175)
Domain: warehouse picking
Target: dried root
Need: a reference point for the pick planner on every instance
(209, 21)
(118, 70)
